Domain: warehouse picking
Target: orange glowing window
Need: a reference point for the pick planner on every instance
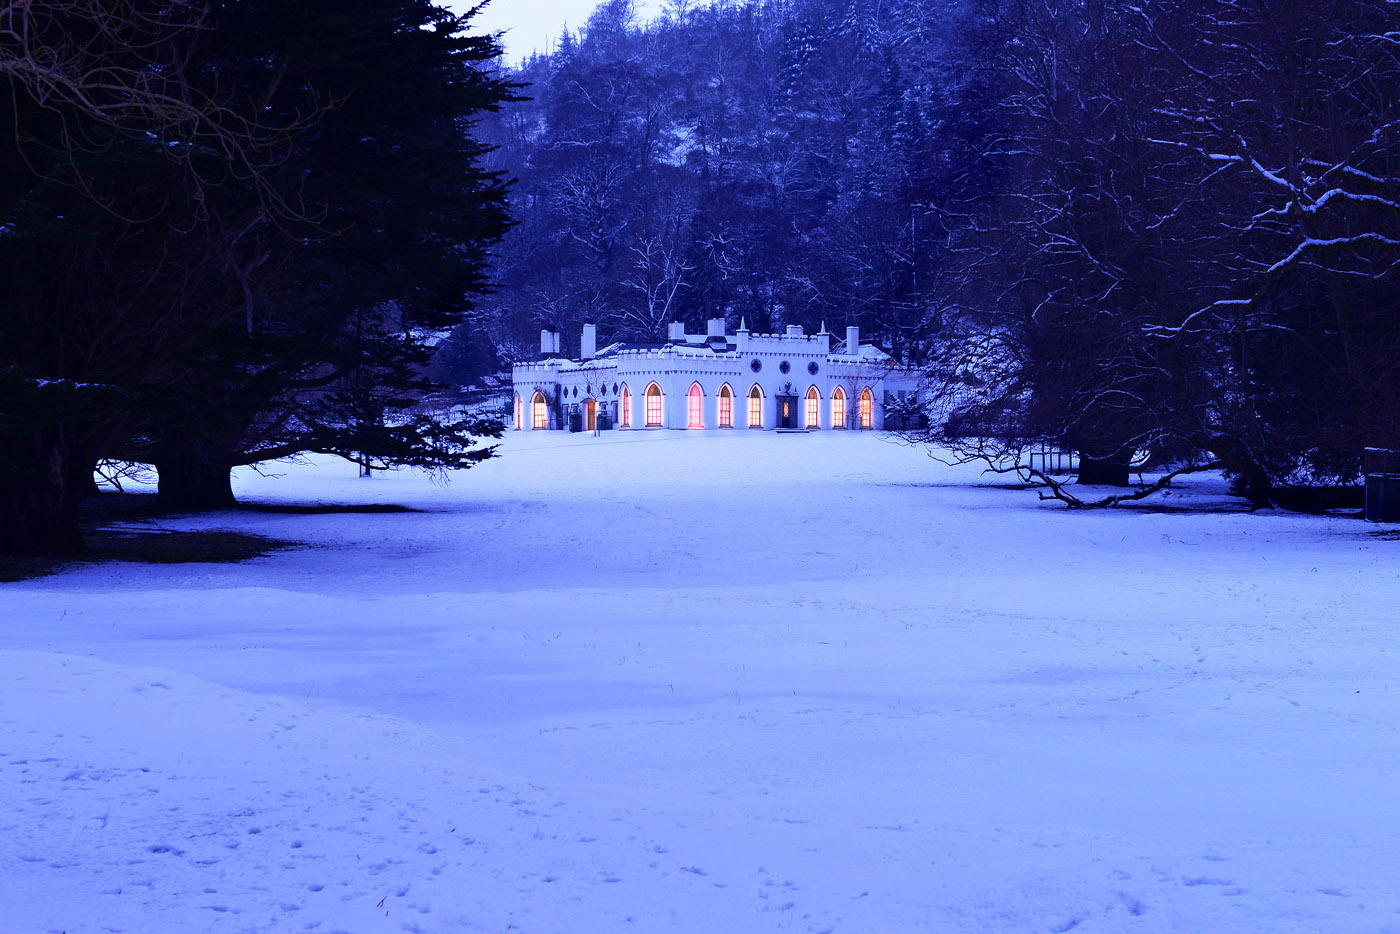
(755, 407)
(838, 408)
(519, 412)
(694, 407)
(813, 405)
(867, 409)
(726, 407)
(653, 406)
(539, 412)
(626, 407)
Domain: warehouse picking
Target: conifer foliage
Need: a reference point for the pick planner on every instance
(243, 252)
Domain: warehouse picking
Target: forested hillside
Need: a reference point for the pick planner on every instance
(1107, 226)
(772, 161)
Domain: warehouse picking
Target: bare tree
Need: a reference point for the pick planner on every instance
(1288, 115)
(114, 69)
(657, 277)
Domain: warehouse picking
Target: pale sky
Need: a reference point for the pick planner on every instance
(532, 24)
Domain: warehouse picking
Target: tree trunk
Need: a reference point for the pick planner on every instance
(192, 477)
(1248, 478)
(41, 494)
(1252, 482)
(1104, 471)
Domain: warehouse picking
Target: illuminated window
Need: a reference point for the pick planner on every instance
(813, 408)
(838, 408)
(539, 412)
(519, 412)
(626, 406)
(867, 408)
(755, 407)
(726, 406)
(653, 406)
(694, 407)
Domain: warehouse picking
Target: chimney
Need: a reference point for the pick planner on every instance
(794, 330)
(853, 340)
(676, 331)
(547, 345)
(714, 327)
(588, 344)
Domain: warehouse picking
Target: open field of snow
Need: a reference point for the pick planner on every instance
(685, 683)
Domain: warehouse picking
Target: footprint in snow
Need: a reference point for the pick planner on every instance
(1134, 905)
(1205, 880)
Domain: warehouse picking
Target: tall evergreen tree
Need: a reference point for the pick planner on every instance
(104, 170)
(244, 255)
(331, 352)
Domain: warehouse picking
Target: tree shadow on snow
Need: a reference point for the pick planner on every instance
(1339, 501)
(112, 531)
(151, 546)
(323, 509)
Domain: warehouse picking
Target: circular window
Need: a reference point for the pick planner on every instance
(755, 364)
(813, 368)
(784, 367)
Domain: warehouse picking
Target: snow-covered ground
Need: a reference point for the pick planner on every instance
(738, 682)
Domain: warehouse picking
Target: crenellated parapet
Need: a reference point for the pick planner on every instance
(787, 380)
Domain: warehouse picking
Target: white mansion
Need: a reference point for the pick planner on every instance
(789, 381)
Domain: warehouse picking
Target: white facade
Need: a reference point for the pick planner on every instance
(789, 381)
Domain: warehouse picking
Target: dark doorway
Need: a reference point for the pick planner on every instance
(787, 412)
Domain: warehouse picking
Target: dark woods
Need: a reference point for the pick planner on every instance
(1162, 230)
(1190, 250)
(227, 230)
(772, 161)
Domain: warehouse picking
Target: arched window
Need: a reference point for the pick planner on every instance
(695, 407)
(726, 406)
(625, 409)
(813, 408)
(838, 408)
(539, 412)
(519, 412)
(653, 406)
(867, 408)
(755, 407)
